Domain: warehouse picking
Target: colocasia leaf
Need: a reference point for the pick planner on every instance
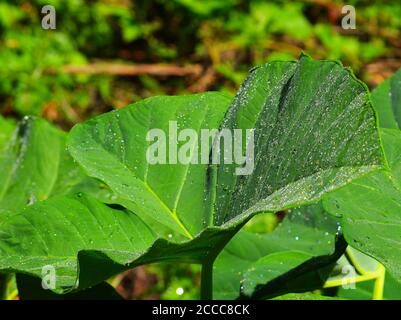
(6, 129)
(301, 247)
(387, 99)
(34, 165)
(370, 208)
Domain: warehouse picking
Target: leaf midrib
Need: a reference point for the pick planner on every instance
(174, 215)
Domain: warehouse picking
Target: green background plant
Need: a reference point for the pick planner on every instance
(225, 38)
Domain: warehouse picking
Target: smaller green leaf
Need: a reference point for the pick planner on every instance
(6, 130)
(270, 267)
(34, 165)
(87, 241)
(306, 235)
(364, 290)
(55, 231)
(363, 261)
(370, 208)
(387, 100)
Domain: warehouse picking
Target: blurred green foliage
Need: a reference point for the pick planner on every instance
(177, 281)
(227, 37)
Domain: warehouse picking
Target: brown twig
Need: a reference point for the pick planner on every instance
(132, 70)
(205, 81)
(381, 69)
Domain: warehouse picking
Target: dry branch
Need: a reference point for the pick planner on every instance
(132, 70)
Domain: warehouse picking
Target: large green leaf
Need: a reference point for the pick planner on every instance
(258, 259)
(113, 147)
(34, 165)
(315, 131)
(75, 233)
(64, 226)
(6, 129)
(370, 208)
(387, 99)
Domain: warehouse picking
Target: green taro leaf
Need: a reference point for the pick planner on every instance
(370, 208)
(32, 164)
(315, 130)
(6, 130)
(64, 226)
(259, 259)
(113, 147)
(78, 232)
(35, 165)
(364, 290)
(387, 100)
